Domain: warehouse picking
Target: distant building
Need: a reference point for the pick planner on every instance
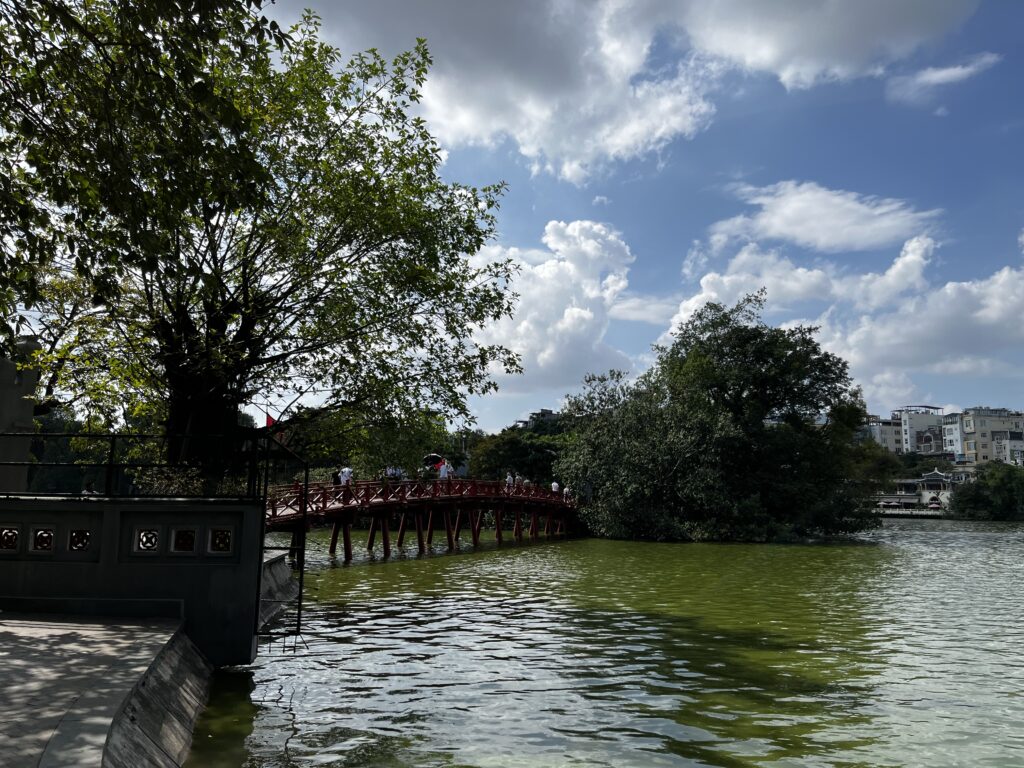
(543, 416)
(911, 429)
(914, 419)
(929, 441)
(933, 489)
(1008, 446)
(970, 435)
(953, 437)
(886, 432)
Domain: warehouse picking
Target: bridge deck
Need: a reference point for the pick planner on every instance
(455, 501)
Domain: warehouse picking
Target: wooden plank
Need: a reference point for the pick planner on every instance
(430, 526)
(419, 532)
(346, 531)
(498, 533)
(385, 535)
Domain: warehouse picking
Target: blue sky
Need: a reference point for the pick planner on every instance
(861, 160)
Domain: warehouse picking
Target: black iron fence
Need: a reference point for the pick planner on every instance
(240, 466)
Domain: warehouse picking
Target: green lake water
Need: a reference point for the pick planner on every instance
(903, 648)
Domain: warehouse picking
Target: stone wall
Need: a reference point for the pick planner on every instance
(154, 726)
(199, 559)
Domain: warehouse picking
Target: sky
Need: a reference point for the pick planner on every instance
(861, 161)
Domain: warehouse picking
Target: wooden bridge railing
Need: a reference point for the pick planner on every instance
(418, 502)
(284, 500)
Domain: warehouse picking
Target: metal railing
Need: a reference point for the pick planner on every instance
(241, 466)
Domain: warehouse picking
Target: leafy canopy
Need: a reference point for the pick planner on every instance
(103, 98)
(997, 493)
(303, 241)
(739, 430)
(527, 451)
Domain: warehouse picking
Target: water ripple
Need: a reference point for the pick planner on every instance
(900, 649)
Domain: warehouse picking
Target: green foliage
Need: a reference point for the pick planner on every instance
(996, 494)
(739, 431)
(400, 445)
(516, 450)
(916, 464)
(875, 465)
(370, 443)
(279, 222)
(110, 113)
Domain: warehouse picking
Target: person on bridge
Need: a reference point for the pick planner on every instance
(554, 486)
(509, 481)
(346, 475)
(442, 471)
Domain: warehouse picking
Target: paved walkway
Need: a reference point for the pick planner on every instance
(62, 680)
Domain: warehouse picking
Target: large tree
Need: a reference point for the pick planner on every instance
(341, 266)
(997, 493)
(740, 430)
(520, 450)
(101, 98)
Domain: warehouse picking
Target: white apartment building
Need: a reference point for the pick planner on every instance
(953, 436)
(974, 432)
(914, 419)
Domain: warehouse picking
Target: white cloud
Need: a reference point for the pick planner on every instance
(827, 220)
(905, 275)
(889, 387)
(570, 82)
(567, 293)
(1020, 241)
(804, 42)
(920, 87)
(644, 309)
(896, 328)
(960, 329)
(600, 200)
(697, 259)
(788, 284)
(750, 270)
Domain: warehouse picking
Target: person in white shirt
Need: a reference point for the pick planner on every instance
(346, 475)
(442, 471)
(554, 486)
(509, 482)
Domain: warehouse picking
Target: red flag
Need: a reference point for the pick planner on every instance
(271, 421)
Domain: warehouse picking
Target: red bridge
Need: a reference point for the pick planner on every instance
(453, 502)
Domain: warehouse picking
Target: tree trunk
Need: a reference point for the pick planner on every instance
(202, 429)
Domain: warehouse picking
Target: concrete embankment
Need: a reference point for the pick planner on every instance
(103, 692)
(90, 692)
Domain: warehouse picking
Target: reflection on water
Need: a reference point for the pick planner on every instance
(901, 649)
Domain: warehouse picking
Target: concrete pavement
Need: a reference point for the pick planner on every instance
(64, 679)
